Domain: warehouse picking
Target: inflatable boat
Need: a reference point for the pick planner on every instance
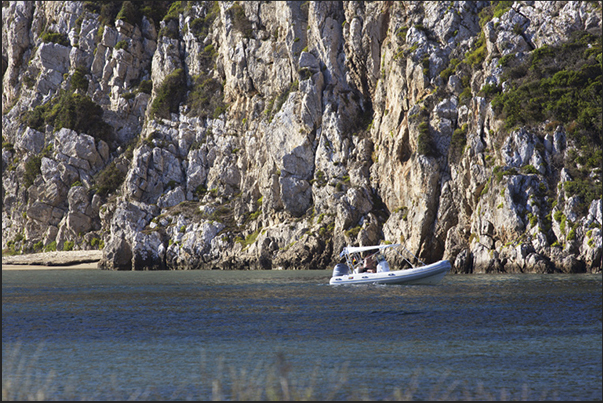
(374, 268)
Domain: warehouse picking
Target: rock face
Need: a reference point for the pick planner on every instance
(268, 135)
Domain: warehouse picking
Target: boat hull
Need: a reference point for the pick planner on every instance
(427, 275)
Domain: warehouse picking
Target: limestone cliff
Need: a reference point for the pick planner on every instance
(268, 135)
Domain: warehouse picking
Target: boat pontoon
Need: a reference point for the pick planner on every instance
(374, 267)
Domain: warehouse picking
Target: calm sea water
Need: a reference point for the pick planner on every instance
(87, 334)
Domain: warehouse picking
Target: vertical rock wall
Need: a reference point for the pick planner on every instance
(268, 135)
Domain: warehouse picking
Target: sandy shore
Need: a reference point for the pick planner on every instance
(82, 266)
(79, 259)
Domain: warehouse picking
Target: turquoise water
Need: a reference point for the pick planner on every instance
(87, 334)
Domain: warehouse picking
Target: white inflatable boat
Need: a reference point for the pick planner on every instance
(358, 269)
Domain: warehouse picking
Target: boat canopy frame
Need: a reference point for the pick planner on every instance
(354, 259)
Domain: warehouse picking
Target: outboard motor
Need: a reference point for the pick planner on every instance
(341, 269)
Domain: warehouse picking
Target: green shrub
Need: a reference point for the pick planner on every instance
(562, 223)
(529, 169)
(425, 65)
(510, 171)
(80, 113)
(304, 73)
(447, 72)
(556, 83)
(572, 234)
(146, 86)
(269, 107)
(489, 90)
(485, 15)
(170, 27)
(200, 191)
(154, 10)
(79, 80)
(401, 32)
(240, 22)
(108, 10)
(353, 232)
(200, 26)
(219, 111)
(458, 142)
(498, 173)
(170, 94)
(320, 178)
(585, 188)
(109, 179)
(425, 144)
(465, 96)
(501, 7)
(206, 98)
(54, 37)
(8, 146)
(51, 247)
(72, 111)
(533, 219)
(32, 170)
(478, 54)
(255, 214)
(505, 60)
(129, 13)
(558, 216)
(486, 187)
(495, 9)
(123, 44)
(210, 51)
(174, 11)
(68, 245)
(403, 210)
(249, 239)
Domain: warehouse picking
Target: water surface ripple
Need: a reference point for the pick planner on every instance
(192, 334)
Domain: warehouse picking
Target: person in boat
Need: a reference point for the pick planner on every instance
(369, 265)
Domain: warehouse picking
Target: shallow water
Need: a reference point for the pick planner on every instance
(262, 334)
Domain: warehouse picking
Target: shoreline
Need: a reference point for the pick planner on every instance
(81, 259)
(82, 266)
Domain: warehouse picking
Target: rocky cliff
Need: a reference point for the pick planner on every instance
(268, 135)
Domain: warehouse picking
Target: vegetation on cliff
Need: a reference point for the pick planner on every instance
(562, 85)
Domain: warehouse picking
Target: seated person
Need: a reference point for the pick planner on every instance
(369, 265)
